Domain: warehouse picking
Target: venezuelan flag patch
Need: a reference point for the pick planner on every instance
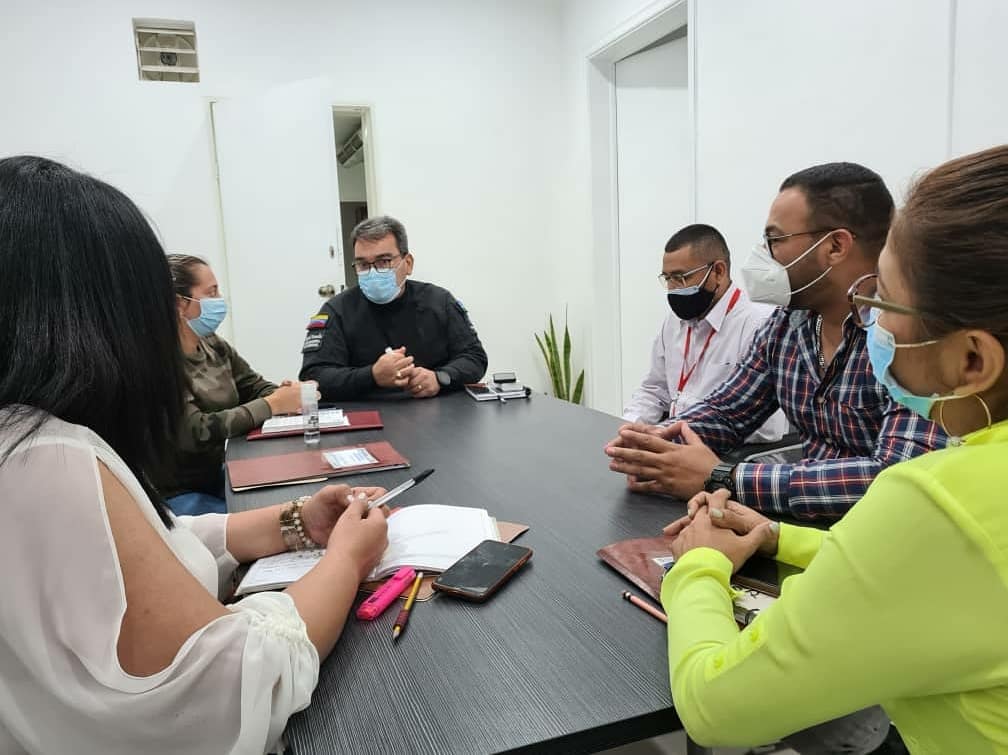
(318, 322)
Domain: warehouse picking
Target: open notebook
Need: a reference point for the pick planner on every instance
(327, 418)
(428, 537)
(330, 421)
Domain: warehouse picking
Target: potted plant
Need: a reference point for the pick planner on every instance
(558, 363)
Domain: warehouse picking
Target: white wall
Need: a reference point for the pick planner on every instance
(462, 97)
(980, 102)
(585, 24)
(481, 127)
(898, 86)
(841, 88)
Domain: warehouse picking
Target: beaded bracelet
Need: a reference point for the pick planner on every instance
(292, 527)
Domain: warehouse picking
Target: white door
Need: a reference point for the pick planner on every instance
(280, 201)
(653, 148)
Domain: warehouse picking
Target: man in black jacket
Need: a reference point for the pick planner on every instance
(390, 335)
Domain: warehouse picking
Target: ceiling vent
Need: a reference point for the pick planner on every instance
(166, 50)
(350, 153)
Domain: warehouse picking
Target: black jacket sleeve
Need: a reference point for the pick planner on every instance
(467, 360)
(326, 360)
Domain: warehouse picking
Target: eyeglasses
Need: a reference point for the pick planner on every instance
(681, 280)
(768, 241)
(382, 263)
(865, 304)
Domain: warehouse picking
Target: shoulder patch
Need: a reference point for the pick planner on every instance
(318, 322)
(312, 341)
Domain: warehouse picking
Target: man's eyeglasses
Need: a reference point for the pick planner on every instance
(865, 304)
(681, 280)
(768, 240)
(382, 263)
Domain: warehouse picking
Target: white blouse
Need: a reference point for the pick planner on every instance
(231, 687)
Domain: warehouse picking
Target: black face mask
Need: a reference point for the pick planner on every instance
(691, 302)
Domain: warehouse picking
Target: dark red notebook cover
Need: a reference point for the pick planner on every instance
(358, 421)
(305, 466)
(641, 562)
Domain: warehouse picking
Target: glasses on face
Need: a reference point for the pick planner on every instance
(680, 280)
(865, 304)
(382, 263)
(768, 240)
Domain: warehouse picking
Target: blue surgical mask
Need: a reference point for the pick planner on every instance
(881, 352)
(212, 314)
(379, 286)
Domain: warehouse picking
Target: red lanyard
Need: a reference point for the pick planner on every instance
(685, 376)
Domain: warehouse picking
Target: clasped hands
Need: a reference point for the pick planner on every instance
(670, 459)
(394, 369)
(714, 521)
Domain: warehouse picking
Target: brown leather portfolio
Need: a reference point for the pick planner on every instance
(642, 561)
(308, 466)
(358, 421)
(635, 560)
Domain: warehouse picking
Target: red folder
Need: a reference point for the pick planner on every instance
(358, 421)
(307, 466)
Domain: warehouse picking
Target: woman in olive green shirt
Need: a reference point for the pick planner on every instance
(226, 397)
(904, 603)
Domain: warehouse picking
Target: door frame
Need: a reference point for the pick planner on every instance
(653, 23)
(366, 113)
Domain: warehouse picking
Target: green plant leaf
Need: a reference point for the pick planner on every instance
(566, 359)
(551, 341)
(550, 369)
(578, 389)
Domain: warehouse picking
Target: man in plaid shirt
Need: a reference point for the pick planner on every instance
(825, 230)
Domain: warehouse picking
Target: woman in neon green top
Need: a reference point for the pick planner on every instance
(904, 603)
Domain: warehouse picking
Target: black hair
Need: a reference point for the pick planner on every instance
(847, 195)
(707, 242)
(90, 329)
(377, 228)
(183, 272)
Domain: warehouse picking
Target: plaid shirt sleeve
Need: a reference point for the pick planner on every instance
(736, 409)
(828, 488)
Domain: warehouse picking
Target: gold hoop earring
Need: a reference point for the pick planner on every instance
(941, 417)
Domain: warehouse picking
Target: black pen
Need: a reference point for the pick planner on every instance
(400, 489)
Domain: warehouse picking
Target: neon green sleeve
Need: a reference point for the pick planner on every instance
(798, 545)
(879, 614)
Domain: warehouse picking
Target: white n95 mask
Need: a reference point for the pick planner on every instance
(766, 280)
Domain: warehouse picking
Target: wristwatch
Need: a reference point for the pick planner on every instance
(443, 378)
(722, 476)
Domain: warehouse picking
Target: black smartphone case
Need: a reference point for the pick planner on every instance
(482, 597)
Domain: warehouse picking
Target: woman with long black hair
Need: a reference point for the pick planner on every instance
(112, 637)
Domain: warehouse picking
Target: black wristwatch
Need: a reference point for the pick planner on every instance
(722, 476)
(443, 378)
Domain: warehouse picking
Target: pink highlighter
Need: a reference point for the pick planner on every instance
(386, 595)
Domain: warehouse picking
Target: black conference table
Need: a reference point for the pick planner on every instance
(556, 661)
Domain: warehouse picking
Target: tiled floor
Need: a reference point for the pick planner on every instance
(673, 744)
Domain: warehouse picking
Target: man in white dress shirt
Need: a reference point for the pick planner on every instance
(705, 335)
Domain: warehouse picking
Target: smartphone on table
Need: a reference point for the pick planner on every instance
(483, 570)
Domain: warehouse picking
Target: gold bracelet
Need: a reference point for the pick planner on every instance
(292, 527)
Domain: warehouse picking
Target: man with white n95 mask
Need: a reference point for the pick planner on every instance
(824, 231)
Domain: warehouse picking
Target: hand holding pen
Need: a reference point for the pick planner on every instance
(323, 509)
